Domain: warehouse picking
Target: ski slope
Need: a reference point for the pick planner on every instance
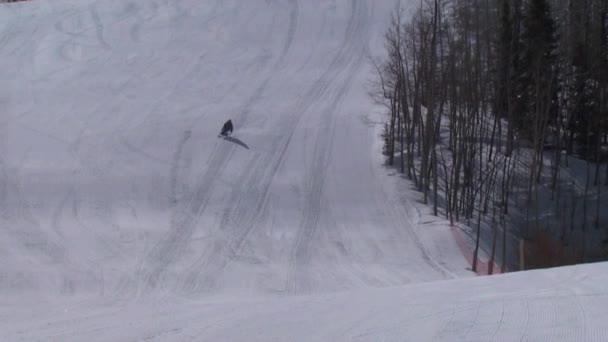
(124, 217)
(115, 183)
(564, 304)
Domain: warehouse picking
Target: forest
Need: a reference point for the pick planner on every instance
(497, 113)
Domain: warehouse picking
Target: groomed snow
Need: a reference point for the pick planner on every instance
(564, 304)
(124, 217)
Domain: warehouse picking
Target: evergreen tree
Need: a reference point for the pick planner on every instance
(505, 44)
(504, 60)
(537, 86)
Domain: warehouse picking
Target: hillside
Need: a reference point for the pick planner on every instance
(124, 217)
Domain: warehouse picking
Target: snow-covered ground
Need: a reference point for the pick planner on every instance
(564, 304)
(124, 217)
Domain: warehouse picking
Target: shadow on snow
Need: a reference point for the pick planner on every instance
(237, 141)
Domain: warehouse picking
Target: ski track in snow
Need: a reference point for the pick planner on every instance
(261, 173)
(186, 219)
(255, 179)
(353, 48)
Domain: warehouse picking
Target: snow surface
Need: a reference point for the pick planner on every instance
(564, 304)
(124, 217)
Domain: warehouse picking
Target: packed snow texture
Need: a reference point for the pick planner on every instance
(564, 304)
(124, 217)
(114, 180)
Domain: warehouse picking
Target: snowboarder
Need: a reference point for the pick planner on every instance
(227, 129)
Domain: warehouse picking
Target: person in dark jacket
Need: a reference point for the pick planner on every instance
(227, 129)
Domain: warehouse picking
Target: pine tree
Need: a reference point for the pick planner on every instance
(537, 90)
(504, 90)
(504, 60)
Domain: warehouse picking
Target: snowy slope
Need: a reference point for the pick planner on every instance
(564, 304)
(124, 217)
(113, 180)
